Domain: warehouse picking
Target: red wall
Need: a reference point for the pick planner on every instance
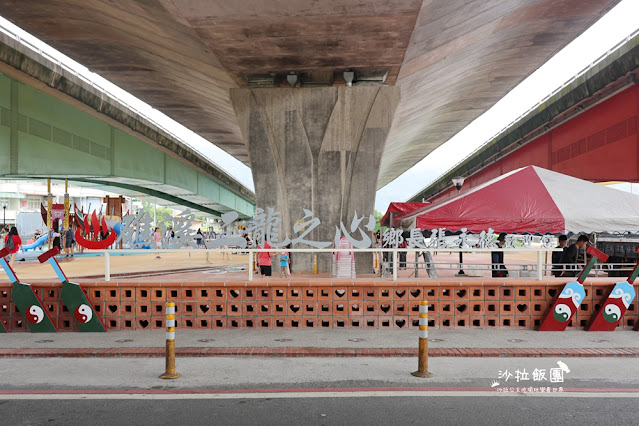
(599, 145)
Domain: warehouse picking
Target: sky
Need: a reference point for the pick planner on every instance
(614, 27)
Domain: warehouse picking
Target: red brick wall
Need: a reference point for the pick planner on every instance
(318, 304)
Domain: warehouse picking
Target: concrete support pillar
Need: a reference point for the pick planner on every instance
(319, 149)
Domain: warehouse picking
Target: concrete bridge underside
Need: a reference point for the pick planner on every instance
(45, 137)
(453, 59)
(587, 130)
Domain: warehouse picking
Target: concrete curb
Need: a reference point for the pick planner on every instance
(317, 352)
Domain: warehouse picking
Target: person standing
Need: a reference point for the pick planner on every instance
(157, 238)
(4, 231)
(69, 241)
(12, 242)
(57, 239)
(284, 264)
(200, 238)
(497, 257)
(264, 260)
(557, 267)
(570, 254)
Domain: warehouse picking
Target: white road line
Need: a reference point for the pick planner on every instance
(357, 394)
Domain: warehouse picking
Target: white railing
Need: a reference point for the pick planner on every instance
(539, 266)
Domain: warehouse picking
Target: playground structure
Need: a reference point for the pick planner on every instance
(88, 232)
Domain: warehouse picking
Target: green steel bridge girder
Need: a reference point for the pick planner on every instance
(46, 137)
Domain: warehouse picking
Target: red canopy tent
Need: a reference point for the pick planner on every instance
(398, 209)
(533, 200)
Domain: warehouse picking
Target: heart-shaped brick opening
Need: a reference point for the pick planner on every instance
(355, 307)
(400, 293)
(340, 293)
(294, 308)
(385, 308)
(461, 308)
(400, 323)
(234, 293)
(113, 308)
(552, 292)
(522, 307)
(144, 323)
(204, 308)
(461, 293)
(416, 292)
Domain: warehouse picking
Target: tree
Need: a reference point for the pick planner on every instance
(378, 218)
(161, 213)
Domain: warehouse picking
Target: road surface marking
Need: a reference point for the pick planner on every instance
(301, 393)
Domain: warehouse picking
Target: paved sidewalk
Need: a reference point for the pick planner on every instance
(323, 343)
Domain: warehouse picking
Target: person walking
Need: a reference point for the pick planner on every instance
(13, 243)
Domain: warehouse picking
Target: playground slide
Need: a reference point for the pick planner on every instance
(37, 243)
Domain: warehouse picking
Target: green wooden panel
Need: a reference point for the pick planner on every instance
(208, 188)
(135, 159)
(5, 91)
(37, 157)
(35, 315)
(180, 175)
(47, 109)
(82, 310)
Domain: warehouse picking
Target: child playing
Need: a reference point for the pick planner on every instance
(284, 264)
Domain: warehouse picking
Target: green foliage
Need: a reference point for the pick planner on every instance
(162, 215)
(378, 218)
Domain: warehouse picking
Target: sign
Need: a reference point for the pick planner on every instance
(137, 232)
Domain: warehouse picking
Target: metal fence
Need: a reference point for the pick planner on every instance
(387, 261)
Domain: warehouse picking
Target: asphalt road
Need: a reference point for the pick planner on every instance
(285, 391)
(454, 410)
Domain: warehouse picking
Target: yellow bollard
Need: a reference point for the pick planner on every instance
(314, 263)
(422, 364)
(170, 372)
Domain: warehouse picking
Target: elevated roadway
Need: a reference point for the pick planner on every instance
(587, 128)
(56, 124)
